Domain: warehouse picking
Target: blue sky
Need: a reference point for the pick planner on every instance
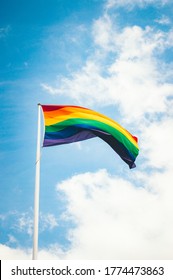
(113, 56)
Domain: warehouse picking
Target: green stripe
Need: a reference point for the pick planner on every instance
(100, 125)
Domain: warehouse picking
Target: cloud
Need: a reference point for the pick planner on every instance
(130, 4)
(21, 224)
(49, 221)
(7, 253)
(103, 32)
(49, 89)
(25, 223)
(117, 220)
(164, 20)
(11, 239)
(122, 76)
(4, 31)
(157, 139)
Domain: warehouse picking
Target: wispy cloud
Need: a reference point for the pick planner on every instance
(49, 221)
(164, 20)
(11, 239)
(4, 31)
(25, 223)
(49, 89)
(130, 4)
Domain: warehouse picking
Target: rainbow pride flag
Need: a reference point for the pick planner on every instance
(67, 124)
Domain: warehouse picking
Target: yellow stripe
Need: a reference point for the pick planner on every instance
(84, 114)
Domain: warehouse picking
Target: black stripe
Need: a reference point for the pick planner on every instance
(118, 147)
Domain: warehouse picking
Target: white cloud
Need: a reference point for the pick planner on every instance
(130, 4)
(157, 139)
(49, 221)
(135, 80)
(7, 253)
(25, 223)
(116, 220)
(164, 20)
(49, 89)
(103, 32)
(11, 239)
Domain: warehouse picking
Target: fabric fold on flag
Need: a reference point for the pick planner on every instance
(66, 124)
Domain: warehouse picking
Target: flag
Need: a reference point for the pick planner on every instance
(67, 124)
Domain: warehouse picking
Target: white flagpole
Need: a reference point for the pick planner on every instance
(37, 188)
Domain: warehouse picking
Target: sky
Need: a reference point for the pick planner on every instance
(112, 56)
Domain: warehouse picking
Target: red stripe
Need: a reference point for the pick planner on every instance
(47, 108)
(135, 138)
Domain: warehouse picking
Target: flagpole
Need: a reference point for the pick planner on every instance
(37, 188)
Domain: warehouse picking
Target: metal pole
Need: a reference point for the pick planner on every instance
(37, 188)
